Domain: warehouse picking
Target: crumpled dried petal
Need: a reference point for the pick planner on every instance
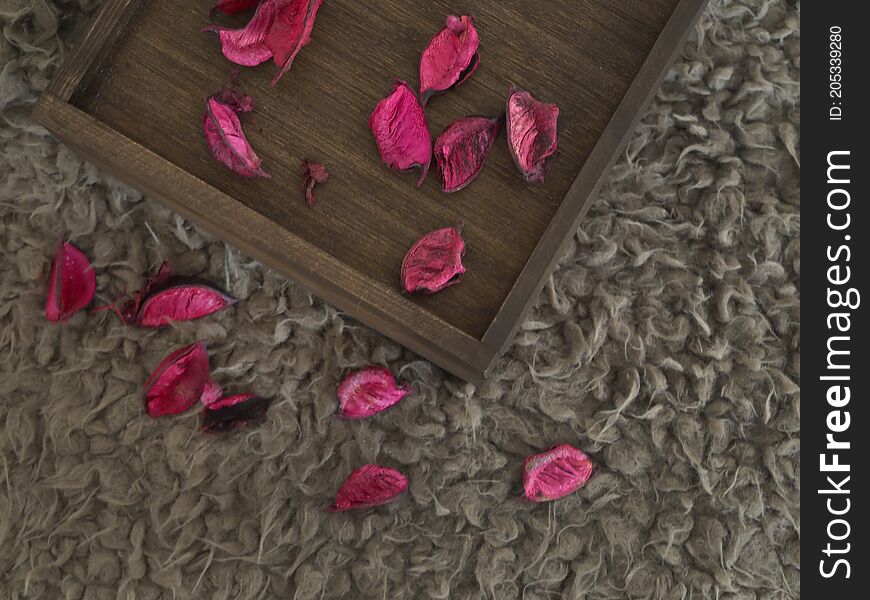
(247, 46)
(532, 131)
(553, 474)
(401, 132)
(232, 412)
(367, 392)
(291, 31)
(278, 30)
(225, 138)
(164, 300)
(462, 148)
(313, 173)
(450, 58)
(179, 381)
(232, 7)
(71, 285)
(370, 485)
(434, 262)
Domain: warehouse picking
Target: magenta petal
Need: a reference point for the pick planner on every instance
(367, 392)
(370, 485)
(178, 381)
(313, 173)
(553, 474)
(434, 262)
(291, 31)
(450, 58)
(233, 412)
(227, 142)
(232, 7)
(532, 130)
(401, 132)
(71, 285)
(462, 148)
(181, 303)
(247, 46)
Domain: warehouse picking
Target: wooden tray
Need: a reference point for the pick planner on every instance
(130, 98)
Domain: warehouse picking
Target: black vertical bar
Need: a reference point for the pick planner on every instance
(835, 261)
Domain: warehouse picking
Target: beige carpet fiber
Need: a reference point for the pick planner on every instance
(666, 344)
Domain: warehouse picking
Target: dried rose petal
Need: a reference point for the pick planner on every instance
(226, 140)
(559, 471)
(179, 381)
(233, 412)
(434, 262)
(278, 30)
(165, 299)
(291, 31)
(367, 392)
(401, 131)
(370, 485)
(532, 134)
(232, 7)
(181, 303)
(71, 285)
(313, 173)
(462, 148)
(450, 58)
(247, 46)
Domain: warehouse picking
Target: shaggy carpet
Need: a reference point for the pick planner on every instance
(666, 344)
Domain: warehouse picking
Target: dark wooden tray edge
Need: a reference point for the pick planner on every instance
(586, 186)
(275, 247)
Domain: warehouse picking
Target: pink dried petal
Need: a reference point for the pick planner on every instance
(462, 148)
(233, 412)
(227, 142)
(178, 382)
(450, 58)
(434, 262)
(165, 299)
(313, 173)
(181, 303)
(291, 31)
(211, 393)
(532, 131)
(370, 485)
(367, 392)
(232, 7)
(247, 46)
(559, 471)
(401, 131)
(71, 285)
(278, 30)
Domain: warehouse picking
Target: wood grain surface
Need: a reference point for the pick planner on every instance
(600, 60)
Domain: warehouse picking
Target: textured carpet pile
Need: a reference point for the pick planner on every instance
(666, 344)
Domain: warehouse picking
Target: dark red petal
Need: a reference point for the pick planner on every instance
(181, 303)
(178, 382)
(367, 392)
(532, 131)
(553, 474)
(232, 7)
(370, 485)
(401, 132)
(462, 148)
(313, 173)
(247, 46)
(233, 412)
(71, 285)
(450, 58)
(434, 262)
(227, 142)
(291, 31)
